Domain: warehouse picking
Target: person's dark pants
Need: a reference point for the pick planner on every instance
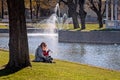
(48, 59)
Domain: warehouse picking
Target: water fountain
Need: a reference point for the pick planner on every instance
(54, 22)
(51, 23)
(66, 21)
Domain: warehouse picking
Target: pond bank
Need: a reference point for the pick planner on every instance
(102, 37)
(61, 70)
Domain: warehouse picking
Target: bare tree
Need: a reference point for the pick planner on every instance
(18, 42)
(2, 9)
(76, 3)
(37, 8)
(31, 9)
(99, 8)
(72, 12)
(82, 13)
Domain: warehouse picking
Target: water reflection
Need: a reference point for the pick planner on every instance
(107, 56)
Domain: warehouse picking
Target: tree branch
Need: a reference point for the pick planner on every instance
(99, 5)
(93, 7)
(104, 9)
(64, 2)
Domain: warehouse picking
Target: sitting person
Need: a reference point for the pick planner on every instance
(42, 54)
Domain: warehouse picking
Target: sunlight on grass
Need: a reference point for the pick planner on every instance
(89, 27)
(61, 70)
(3, 26)
(3, 57)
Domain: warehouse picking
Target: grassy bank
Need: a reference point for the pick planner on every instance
(89, 27)
(3, 27)
(70, 26)
(61, 70)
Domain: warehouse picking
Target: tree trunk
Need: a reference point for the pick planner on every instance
(75, 21)
(2, 9)
(82, 18)
(37, 11)
(82, 14)
(31, 9)
(72, 12)
(100, 20)
(18, 42)
(37, 8)
(99, 10)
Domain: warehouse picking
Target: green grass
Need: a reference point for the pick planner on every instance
(61, 70)
(70, 26)
(89, 27)
(3, 27)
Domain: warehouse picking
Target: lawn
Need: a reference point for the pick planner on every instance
(3, 27)
(61, 70)
(69, 26)
(89, 27)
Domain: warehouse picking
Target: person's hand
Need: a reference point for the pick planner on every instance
(48, 50)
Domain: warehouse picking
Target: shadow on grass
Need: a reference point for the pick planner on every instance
(4, 71)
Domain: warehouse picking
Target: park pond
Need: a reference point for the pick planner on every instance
(100, 55)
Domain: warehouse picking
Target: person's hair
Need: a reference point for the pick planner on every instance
(43, 43)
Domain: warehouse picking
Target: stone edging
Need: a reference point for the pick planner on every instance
(108, 37)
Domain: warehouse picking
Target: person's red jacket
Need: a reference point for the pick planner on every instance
(46, 53)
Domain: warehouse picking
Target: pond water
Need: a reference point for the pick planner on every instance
(100, 55)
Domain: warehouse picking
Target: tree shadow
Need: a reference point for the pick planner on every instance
(7, 71)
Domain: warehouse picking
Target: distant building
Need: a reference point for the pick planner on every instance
(113, 14)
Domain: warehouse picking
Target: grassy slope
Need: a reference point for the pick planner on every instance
(61, 70)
